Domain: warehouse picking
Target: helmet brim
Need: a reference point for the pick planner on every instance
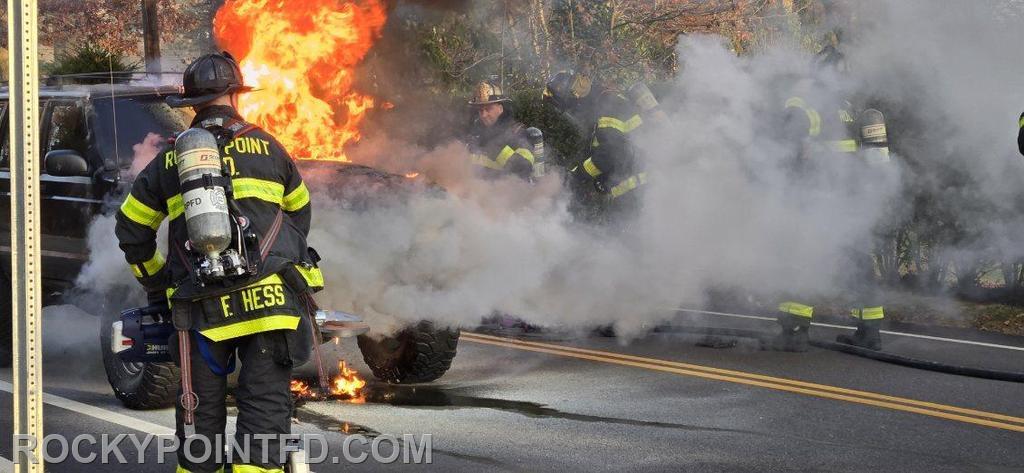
(180, 101)
(474, 103)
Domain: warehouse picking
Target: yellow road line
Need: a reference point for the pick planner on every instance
(773, 379)
(781, 384)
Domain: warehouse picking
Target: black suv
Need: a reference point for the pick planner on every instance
(89, 135)
(93, 135)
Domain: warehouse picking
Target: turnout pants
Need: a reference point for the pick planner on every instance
(263, 398)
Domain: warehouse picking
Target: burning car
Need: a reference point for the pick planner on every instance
(91, 137)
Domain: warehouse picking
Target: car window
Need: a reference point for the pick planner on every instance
(143, 125)
(66, 128)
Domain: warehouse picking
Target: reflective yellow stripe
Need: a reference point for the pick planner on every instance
(249, 327)
(812, 115)
(868, 313)
(591, 168)
(175, 207)
(844, 146)
(254, 469)
(526, 154)
(182, 469)
(296, 199)
(797, 309)
(249, 187)
(623, 126)
(629, 184)
(481, 160)
(313, 276)
(272, 279)
(151, 266)
(1021, 122)
(503, 156)
(141, 213)
(252, 188)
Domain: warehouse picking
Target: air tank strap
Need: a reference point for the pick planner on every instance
(207, 181)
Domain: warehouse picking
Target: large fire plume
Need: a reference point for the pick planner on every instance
(302, 56)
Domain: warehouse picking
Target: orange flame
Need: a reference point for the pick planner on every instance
(347, 384)
(302, 56)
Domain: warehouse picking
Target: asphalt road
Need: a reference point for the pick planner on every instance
(658, 403)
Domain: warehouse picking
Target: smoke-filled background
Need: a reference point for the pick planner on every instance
(726, 207)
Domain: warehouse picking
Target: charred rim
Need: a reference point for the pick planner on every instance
(419, 353)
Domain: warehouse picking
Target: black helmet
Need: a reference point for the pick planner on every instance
(566, 89)
(207, 78)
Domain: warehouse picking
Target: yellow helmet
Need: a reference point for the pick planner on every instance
(488, 93)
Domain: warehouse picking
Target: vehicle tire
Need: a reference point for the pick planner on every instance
(138, 385)
(6, 324)
(418, 354)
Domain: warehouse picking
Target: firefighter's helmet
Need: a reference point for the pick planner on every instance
(207, 78)
(488, 93)
(566, 89)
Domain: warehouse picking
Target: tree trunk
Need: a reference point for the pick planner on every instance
(151, 36)
(545, 36)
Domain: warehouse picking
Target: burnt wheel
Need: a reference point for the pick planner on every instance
(418, 354)
(138, 385)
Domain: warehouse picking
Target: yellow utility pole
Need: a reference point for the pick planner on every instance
(23, 60)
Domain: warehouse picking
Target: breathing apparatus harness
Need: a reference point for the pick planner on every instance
(222, 246)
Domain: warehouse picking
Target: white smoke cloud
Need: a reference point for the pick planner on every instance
(144, 152)
(725, 205)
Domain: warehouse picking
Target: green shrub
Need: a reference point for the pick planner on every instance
(90, 59)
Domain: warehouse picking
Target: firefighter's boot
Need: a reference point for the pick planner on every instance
(795, 320)
(869, 324)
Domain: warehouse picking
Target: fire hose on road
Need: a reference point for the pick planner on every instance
(766, 338)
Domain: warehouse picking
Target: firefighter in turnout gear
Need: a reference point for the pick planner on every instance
(609, 121)
(499, 145)
(1020, 134)
(839, 133)
(261, 316)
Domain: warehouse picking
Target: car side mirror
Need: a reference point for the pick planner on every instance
(65, 162)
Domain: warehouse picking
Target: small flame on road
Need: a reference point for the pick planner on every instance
(347, 385)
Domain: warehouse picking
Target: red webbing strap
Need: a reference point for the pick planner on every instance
(311, 309)
(271, 237)
(189, 400)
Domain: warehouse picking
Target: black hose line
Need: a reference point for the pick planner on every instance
(767, 338)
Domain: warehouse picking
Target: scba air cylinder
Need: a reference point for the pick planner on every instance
(206, 206)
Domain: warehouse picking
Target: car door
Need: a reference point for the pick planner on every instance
(69, 203)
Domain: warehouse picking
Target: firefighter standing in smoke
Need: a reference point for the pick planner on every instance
(499, 145)
(264, 316)
(823, 135)
(1020, 134)
(608, 120)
